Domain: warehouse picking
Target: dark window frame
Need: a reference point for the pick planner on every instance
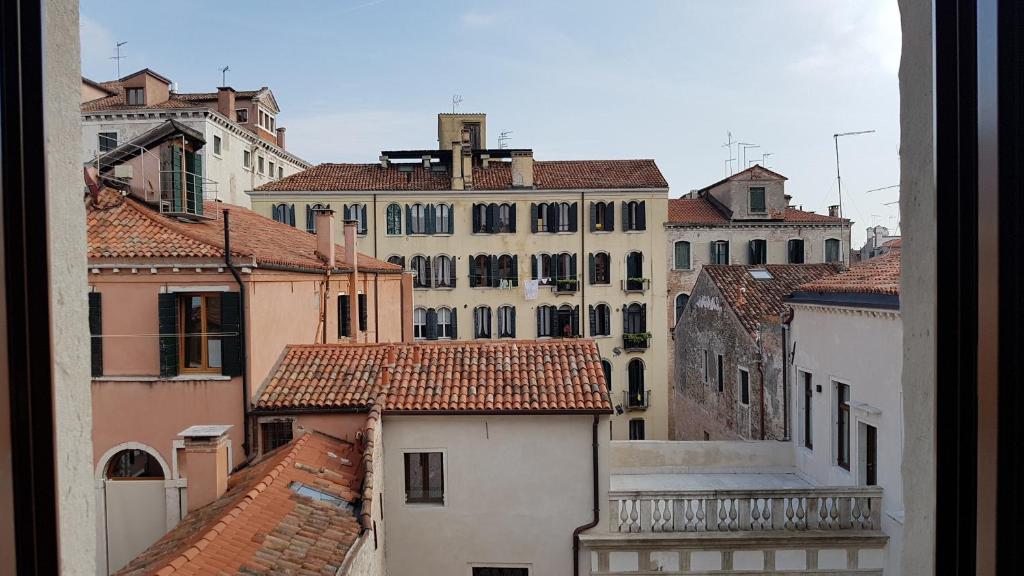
(842, 425)
(424, 464)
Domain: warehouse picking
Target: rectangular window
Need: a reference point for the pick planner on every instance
(807, 398)
(721, 373)
(275, 434)
(280, 172)
(832, 250)
(136, 96)
(636, 429)
(757, 204)
(108, 141)
(259, 163)
(242, 115)
(246, 158)
(842, 425)
(707, 367)
(744, 387)
(344, 316)
(200, 334)
(216, 145)
(271, 172)
(869, 454)
(363, 316)
(424, 477)
(720, 252)
(682, 256)
(758, 252)
(503, 571)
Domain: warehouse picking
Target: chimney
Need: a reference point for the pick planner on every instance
(426, 161)
(206, 463)
(485, 161)
(789, 200)
(325, 235)
(383, 161)
(226, 102)
(280, 138)
(522, 169)
(833, 211)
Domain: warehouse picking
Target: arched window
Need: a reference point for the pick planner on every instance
(681, 301)
(599, 214)
(796, 251)
(506, 268)
(482, 322)
(634, 215)
(356, 212)
(396, 259)
(419, 323)
(394, 219)
(480, 218)
(444, 323)
(682, 255)
(563, 217)
(541, 265)
(504, 218)
(444, 272)
(506, 322)
(284, 213)
(480, 274)
(607, 367)
(637, 392)
(600, 320)
(634, 321)
(443, 218)
(421, 267)
(720, 252)
(758, 252)
(600, 272)
(311, 211)
(832, 251)
(567, 322)
(133, 463)
(563, 267)
(417, 219)
(542, 218)
(635, 271)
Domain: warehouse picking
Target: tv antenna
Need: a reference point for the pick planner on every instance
(764, 158)
(728, 144)
(839, 179)
(456, 100)
(503, 138)
(882, 188)
(117, 57)
(745, 145)
(224, 75)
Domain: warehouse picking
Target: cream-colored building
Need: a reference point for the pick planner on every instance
(478, 226)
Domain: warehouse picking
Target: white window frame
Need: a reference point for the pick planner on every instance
(247, 159)
(419, 313)
(444, 329)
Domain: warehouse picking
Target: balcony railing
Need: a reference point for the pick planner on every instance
(636, 285)
(758, 510)
(566, 285)
(183, 193)
(640, 341)
(636, 400)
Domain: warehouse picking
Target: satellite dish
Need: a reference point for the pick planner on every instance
(617, 350)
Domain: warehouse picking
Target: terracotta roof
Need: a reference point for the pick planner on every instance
(895, 243)
(755, 172)
(262, 526)
(754, 301)
(117, 100)
(503, 376)
(703, 211)
(794, 215)
(879, 275)
(123, 228)
(547, 175)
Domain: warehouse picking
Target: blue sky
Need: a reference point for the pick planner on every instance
(572, 80)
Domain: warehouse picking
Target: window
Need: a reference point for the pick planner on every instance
(869, 455)
(760, 274)
(682, 259)
(482, 322)
(133, 463)
(636, 429)
(544, 321)
(283, 213)
(280, 172)
(563, 217)
(480, 213)
(242, 115)
(607, 367)
(270, 169)
(637, 393)
(419, 323)
(842, 425)
(424, 477)
(602, 216)
(480, 271)
(396, 259)
(806, 403)
(503, 571)
(506, 322)
(474, 134)
(355, 212)
(599, 268)
(364, 319)
(635, 271)
(721, 373)
(634, 319)
(444, 323)
(634, 216)
(275, 434)
(507, 272)
(757, 204)
(108, 141)
(393, 215)
(540, 218)
(318, 495)
(795, 248)
(720, 252)
(744, 387)
(565, 269)
(560, 322)
(444, 272)
(246, 158)
(707, 367)
(600, 320)
(758, 252)
(417, 219)
(311, 211)
(259, 163)
(135, 96)
(681, 301)
(216, 145)
(200, 323)
(505, 218)
(443, 218)
(344, 316)
(421, 270)
(541, 264)
(832, 252)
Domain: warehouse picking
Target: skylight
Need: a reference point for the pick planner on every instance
(760, 275)
(303, 490)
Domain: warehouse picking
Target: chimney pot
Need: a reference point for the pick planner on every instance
(280, 138)
(833, 211)
(206, 463)
(383, 161)
(325, 235)
(226, 102)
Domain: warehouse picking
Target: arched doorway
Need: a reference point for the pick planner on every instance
(133, 503)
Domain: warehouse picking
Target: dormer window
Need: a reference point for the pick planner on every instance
(242, 115)
(757, 203)
(135, 96)
(266, 121)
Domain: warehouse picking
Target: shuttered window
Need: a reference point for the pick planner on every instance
(757, 202)
(96, 332)
(682, 255)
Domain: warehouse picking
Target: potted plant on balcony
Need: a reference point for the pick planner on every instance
(566, 285)
(639, 284)
(636, 340)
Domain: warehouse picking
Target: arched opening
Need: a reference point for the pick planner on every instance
(133, 463)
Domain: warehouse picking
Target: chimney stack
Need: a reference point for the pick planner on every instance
(833, 211)
(206, 463)
(325, 235)
(522, 169)
(280, 138)
(226, 102)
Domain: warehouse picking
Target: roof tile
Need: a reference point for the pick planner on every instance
(879, 275)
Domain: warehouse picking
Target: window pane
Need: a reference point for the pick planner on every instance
(192, 328)
(213, 328)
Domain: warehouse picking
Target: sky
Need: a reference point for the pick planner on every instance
(581, 79)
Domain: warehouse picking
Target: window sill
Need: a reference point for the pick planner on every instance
(602, 231)
(682, 269)
(178, 378)
(635, 231)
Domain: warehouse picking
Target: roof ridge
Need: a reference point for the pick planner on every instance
(231, 514)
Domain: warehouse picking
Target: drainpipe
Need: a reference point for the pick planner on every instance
(597, 509)
(760, 369)
(787, 317)
(241, 332)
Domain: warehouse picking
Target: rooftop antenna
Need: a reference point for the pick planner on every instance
(882, 188)
(117, 57)
(891, 203)
(224, 75)
(456, 100)
(728, 144)
(745, 145)
(764, 158)
(502, 138)
(839, 179)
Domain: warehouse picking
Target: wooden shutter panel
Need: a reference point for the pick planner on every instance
(426, 266)
(96, 332)
(472, 271)
(643, 318)
(608, 319)
(476, 218)
(572, 267)
(553, 322)
(512, 218)
(513, 330)
(455, 323)
(231, 323)
(291, 215)
(343, 316)
(492, 218)
(363, 224)
(641, 216)
(574, 217)
(609, 216)
(492, 272)
(592, 268)
(551, 222)
(593, 216)
(515, 270)
(167, 307)
(625, 319)
(363, 321)
(533, 266)
(431, 324)
(575, 320)
(430, 219)
(625, 216)
(540, 327)
(533, 218)
(408, 219)
(344, 212)
(592, 313)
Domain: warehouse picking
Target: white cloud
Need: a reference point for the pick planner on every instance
(858, 38)
(97, 47)
(356, 136)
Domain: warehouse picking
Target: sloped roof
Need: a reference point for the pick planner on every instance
(547, 175)
(697, 211)
(124, 228)
(262, 526)
(755, 172)
(507, 376)
(895, 243)
(754, 301)
(879, 275)
(117, 100)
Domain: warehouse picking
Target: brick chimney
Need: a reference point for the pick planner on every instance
(206, 463)
(226, 102)
(280, 138)
(522, 169)
(833, 211)
(325, 235)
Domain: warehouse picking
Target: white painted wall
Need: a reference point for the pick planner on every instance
(515, 489)
(861, 348)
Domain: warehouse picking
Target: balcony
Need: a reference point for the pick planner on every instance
(636, 285)
(183, 193)
(638, 400)
(636, 342)
(566, 286)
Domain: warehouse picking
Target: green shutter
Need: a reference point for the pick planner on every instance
(231, 325)
(363, 320)
(167, 307)
(96, 332)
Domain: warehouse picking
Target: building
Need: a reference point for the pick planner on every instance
(245, 146)
(846, 333)
(503, 246)
(732, 352)
(184, 328)
(878, 242)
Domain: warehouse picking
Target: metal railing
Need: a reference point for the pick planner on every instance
(636, 400)
(640, 341)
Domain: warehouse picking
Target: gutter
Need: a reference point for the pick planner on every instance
(760, 369)
(242, 332)
(597, 508)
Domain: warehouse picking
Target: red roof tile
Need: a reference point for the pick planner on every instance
(504, 376)
(123, 228)
(879, 275)
(895, 243)
(702, 211)
(548, 175)
(754, 301)
(262, 526)
(117, 99)
(794, 215)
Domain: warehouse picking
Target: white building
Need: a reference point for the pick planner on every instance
(245, 147)
(879, 241)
